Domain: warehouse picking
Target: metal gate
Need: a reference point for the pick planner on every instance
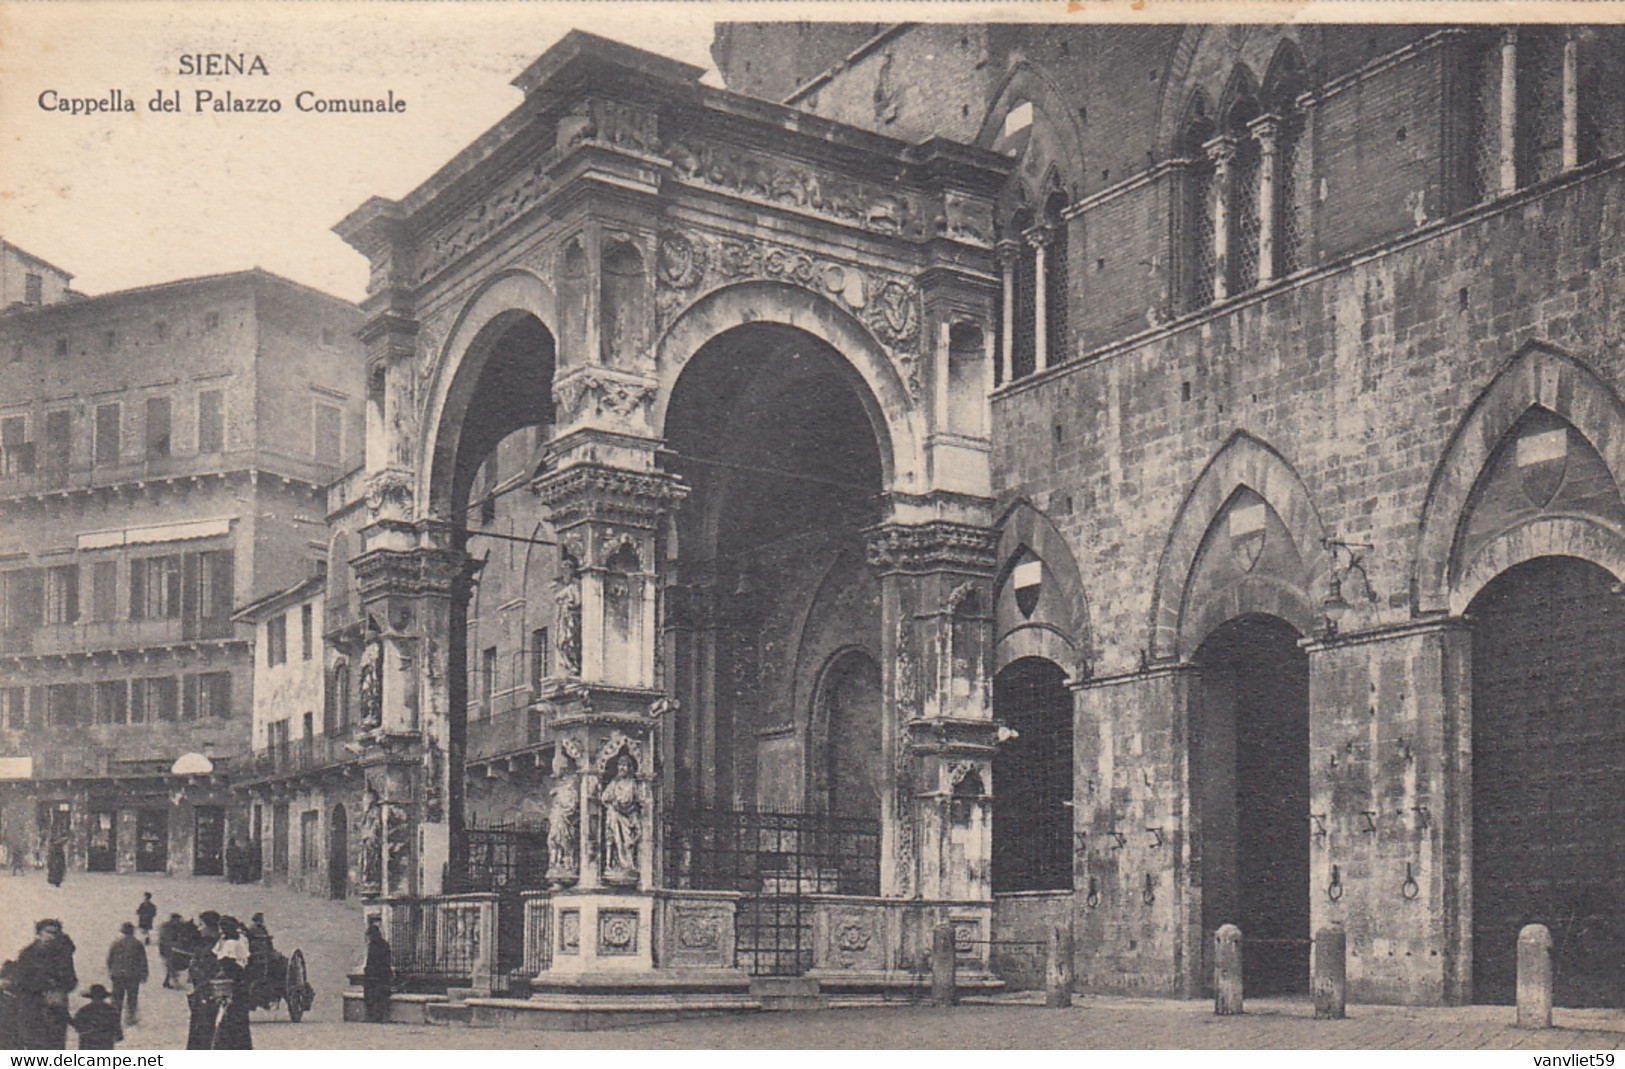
(1549, 777)
(505, 858)
(778, 860)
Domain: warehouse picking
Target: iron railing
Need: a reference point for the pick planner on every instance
(505, 858)
(772, 853)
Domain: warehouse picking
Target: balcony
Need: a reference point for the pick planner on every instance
(82, 477)
(62, 639)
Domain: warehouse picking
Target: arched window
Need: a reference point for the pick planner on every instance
(1024, 351)
(1055, 280)
(1282, 87)
(338, 699)
(1197, 261)
(1246, 173)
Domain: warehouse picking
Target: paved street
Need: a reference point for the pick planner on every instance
(93, 907)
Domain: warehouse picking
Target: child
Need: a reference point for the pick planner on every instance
(144, 913)
(97, 1021)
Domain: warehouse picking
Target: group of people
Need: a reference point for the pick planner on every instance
(213, 959)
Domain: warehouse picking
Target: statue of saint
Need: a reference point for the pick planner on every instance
(623, 823)
(372, 683)
(568, 599)
(564, 824)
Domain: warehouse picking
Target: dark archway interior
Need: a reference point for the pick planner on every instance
(1032, 778)
(1250, 751)
(768, 426)
(338, 854)
(1549, 777)
(850, 698)
(513, 389)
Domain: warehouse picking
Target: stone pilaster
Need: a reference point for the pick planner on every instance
(936, 595)
(1221, 151)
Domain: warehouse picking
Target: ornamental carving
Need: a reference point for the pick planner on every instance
(917, 548)
(617, 932)
(756, 176)
(595, 393)
(569, 931)
(699, 930)
(389, 485)
(888, 305)
(511, 200)
(606, 122)
(853, 936)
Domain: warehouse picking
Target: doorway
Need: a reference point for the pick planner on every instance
(338, 854)
(208, 843)
(101, 852)
(152, 841)
(1548, 797)
(1250, 757)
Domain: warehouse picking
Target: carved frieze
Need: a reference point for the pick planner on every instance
(791, 184)
(585, 492)
(700, 929)
(390, 486)
(691, 264)
(446, 243)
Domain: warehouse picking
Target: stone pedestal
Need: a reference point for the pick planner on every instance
(602, 932)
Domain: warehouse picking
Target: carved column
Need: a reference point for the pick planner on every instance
(1221, 150)
(1508, 159)
(936, 591)
(1571, 100)
(604, 705)
(1040, 237)
(1264, 129)
(1009, 253)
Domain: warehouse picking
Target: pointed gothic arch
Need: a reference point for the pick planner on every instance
(1243, 461)
(1057, 629)
(1539, 375)
(1026, 83)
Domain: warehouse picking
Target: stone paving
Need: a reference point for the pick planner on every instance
(93, 906)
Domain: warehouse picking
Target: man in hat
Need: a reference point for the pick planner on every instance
(169, 941)
(144, 914)
(204, 1007)
(97, 1021)
(127, 968)
(44, 979)
(376, 974)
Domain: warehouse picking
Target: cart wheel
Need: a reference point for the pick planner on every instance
(294, 991)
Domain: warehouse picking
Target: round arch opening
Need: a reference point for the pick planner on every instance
(1032, 778)
(773, 430)
(1548, 799)
(1250, 764)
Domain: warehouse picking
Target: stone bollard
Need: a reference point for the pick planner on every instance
(1534, 977)
(1227, 971)
(1058, 968)
(1331, 973)
(943, 966)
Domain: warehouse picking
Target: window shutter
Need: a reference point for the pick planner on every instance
(138, 590)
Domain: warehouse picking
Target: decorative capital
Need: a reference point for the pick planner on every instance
(1264, 128)
(1041, 236)
(1008, 250)
(939, 545)
(1221, 150)
(412, 572)
(583, 492)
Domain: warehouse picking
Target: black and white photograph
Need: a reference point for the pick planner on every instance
(1081, 525)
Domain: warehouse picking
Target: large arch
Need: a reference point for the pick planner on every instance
(486, 317)
(892, 413)
(1538, 375)
(1063, 159)
(1057, 629)
(1243, 462)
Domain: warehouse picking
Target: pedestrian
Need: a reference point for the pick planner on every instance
(44, 978)
(56, 862)
(376, 974)
(201, 1000)
(231, 985)
(97, 1021)
(144, 914)
(127, 967)
(169, 935)
(10, 1038)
